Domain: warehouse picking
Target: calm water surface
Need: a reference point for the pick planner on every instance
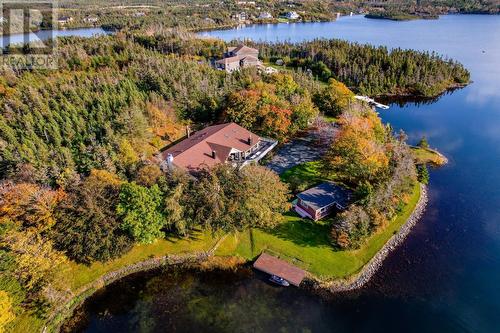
(444, 278)
(35, 37)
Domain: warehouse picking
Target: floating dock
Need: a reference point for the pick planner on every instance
(275, 266)
(371, 101)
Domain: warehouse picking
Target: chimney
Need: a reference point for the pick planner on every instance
(170, 161)
(188, 131)
(249, 140)
(213, 154)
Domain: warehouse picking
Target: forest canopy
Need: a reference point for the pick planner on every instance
(371, 70)
(79, 178)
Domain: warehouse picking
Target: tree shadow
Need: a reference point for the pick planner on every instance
(193, 235)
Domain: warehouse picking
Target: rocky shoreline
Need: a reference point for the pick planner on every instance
(376, 262)
(67, 306)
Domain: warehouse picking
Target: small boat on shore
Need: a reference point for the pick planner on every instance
(278, 280)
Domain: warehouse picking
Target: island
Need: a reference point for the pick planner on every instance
(400, 16)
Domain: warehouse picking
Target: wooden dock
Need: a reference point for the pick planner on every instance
(275, 266)
(371, 101)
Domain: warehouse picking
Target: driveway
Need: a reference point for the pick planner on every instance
(304, 149)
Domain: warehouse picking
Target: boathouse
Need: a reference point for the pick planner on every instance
(275, 266)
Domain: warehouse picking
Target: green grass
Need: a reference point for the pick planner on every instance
(75, 275)
(306, 244)
(308, 173)
(425, 155)
(303, 242)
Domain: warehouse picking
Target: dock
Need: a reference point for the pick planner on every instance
(275, 266)
(371, 101)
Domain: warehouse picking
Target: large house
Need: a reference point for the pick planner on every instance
(320, 201)
(224, 143)
(238, 57)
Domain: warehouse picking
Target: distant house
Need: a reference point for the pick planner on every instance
(292, 16)
(270, 70)
(64, 20)
(224, 143)
(241, 17)
(320, 201)
(238, 57)
(229, 65)
(91, 19)
(265, 16)
(139, 14)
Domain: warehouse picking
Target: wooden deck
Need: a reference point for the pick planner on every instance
(275, 266)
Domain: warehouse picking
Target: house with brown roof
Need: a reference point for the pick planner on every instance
(322, 200)
(223, 143)
(237, 57)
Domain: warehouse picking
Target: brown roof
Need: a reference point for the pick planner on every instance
(228, 60)
(196, 151)
(272, 265)
(243, 49)
(249, 58)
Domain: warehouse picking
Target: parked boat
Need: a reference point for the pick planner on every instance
(280, 281)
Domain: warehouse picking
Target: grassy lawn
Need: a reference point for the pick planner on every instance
(75, 275)
(424, 156)
(306, 244)
(308, 173)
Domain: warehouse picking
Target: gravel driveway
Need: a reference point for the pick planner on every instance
(300, 150)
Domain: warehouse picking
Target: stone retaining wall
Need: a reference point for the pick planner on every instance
(375, 263)
(75, 299)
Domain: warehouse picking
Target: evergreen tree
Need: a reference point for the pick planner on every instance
(423, 143)
(423, 174)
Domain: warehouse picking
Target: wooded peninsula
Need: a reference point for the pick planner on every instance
(83, 193)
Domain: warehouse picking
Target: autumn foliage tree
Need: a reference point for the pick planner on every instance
(275, 107)
(365, 155)
(6, 311)
(87, 227)
(358, 152)
(334, 98)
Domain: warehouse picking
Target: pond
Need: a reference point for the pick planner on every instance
(444, 278)
(42, 35)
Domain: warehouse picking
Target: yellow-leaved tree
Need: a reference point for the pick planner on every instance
(358, 152)
(6, 311)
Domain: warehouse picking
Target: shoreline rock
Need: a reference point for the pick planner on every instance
(67, 307)
(369, 270)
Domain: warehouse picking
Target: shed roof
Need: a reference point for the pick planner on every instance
(325, 194)
(272, 265)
